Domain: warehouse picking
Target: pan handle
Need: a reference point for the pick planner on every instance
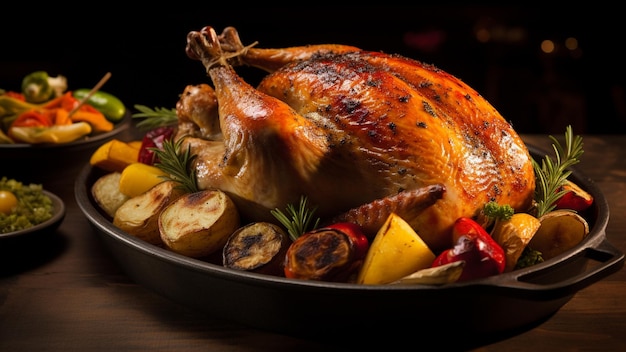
(581, 269)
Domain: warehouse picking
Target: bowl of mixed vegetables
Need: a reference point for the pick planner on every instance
(490, 305)
(45, 114)
(46, 125)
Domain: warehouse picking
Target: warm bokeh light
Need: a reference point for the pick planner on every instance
(500, 34)
(483, 35)
(547, 46)
(571, 43)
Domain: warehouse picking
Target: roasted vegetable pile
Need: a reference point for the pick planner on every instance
(156, 199)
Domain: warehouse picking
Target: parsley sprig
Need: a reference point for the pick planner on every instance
(551, 175)
(495, 211)
(177, 165)
(297, 221)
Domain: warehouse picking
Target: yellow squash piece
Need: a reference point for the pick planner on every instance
(115, 155)
(397, 251)
(96, 119)
(138, 178)
(11, 108)
(54, 134)
(135, 144)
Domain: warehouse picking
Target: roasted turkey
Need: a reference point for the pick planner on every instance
(347, 127)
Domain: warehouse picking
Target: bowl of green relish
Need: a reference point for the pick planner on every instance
(27, 208)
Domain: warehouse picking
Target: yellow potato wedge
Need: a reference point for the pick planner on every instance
(139, 215)
(198, 224)
(513, 235)
(106, 193)
(560, 230)
(396, 251)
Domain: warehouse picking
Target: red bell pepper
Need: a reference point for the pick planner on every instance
(574, 198)
(472, 243)
(356, 235)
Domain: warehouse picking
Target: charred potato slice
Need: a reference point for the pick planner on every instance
(139, 215)
(198, 224)
(257, 247)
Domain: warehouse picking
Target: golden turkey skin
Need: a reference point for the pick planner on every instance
(346, 127)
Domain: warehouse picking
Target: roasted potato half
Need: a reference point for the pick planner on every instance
(106, 192)
(198, 224)
(139, 215)
(513, 236)
(560, 230)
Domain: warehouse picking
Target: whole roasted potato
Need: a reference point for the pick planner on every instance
(198, 224)
(139, 215)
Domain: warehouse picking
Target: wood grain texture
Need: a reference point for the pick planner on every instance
(64, 291)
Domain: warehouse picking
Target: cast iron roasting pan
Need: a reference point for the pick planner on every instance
(470, 313)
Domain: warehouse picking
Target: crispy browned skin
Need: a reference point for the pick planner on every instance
(408, 205)
(347, 129)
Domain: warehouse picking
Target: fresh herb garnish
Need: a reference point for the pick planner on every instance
(297, 222)
(156, 117)
(495, 211)
(177, 165)
(551, 176)
(529, 257)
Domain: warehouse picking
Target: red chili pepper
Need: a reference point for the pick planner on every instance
(15, 95)
(153, 139)
(482, 255)
(33, 118)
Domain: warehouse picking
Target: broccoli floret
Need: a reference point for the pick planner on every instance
(496, 211)
(39, 87)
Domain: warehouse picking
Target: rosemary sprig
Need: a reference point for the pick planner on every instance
(177, 165)
(297, 222)
(154, 118)
(551, 175)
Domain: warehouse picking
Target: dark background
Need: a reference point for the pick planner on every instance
(145, 51)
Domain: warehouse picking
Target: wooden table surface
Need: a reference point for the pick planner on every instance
(65, 292)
